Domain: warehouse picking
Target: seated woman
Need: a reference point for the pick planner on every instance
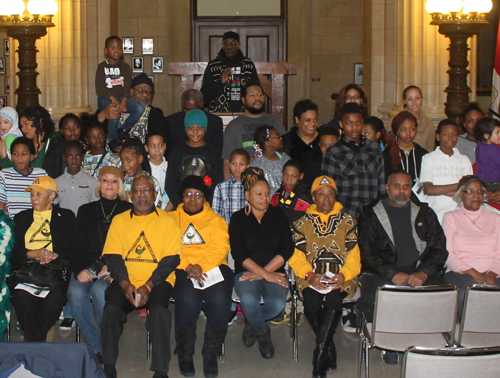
(261, 243)
(46, 234)
(321, 249)
(205, 246)
(93, 222)
(472, 240)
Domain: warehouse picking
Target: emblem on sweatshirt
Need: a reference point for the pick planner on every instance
(191, 236)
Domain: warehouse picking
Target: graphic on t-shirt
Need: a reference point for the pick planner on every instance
(113, 77)
(195, 165)
(191, 236)
(42, 234)
(141, 251)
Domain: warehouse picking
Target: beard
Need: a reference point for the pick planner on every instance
(400, 199)
(254, 110)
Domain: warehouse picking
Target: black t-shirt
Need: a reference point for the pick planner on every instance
(400, 218)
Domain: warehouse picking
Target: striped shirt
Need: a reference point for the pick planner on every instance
(229, 197)
(12, 185)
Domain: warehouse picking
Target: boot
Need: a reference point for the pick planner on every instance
(186, 340)
(314, 319)
(212, 345)
(324, 339)
(248, 335)
(266, 346)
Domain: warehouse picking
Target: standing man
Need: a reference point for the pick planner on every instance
(239, 132)
(142, 250)
(193, 99)
(226, 75)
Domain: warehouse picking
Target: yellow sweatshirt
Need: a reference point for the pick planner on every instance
(143, 241)
(326, 242)
(204, 237)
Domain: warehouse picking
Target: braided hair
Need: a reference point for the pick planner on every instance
(252, 176)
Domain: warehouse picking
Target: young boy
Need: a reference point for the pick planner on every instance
(13, 181)
(328, 136)
(229, 195)
(155, 146)
(195, 157)
(112, 83)
(74, 187)
(443, 168)
(355, 163)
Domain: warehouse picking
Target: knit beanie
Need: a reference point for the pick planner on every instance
(195, 117)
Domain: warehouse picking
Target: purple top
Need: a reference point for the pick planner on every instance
(488, 161)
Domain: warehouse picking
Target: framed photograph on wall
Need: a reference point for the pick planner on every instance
(147, 46)
(137, 64)
(358, 73)
(7, 85)
(3, 66)
(128, 45)
(158, 64)
(3, 101)
(6, 47)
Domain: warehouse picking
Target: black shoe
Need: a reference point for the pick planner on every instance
(266, 346)
(248, 335)
(390, 357)
(210, 367)
(187, 368)
(160, 375)
(67, 324)
(111, 374)
(185, 339)
(330, 362)
(212, 347)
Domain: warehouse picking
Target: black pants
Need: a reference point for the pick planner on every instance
(38, 315)
(371, 282)
(158, 323)
(314, 301)
(217, 299)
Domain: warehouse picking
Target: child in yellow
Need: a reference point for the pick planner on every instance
(325, 242)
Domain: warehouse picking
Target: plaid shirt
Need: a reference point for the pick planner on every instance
(359, 175)
(229, 197)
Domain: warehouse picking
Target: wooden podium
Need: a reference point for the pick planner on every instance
(191, 74)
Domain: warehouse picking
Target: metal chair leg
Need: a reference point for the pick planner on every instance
(222, 352)
(77, 334)
(361, 351)
(148, 337)
(367, 365)
(294, 326)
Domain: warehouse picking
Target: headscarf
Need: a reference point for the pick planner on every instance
(11, 115)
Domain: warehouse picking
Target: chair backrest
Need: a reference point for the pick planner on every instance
(421, 362)
(481, 309)
(423, 309)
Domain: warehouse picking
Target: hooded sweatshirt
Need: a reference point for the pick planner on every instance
(326, 242)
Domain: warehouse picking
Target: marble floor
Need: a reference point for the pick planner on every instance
(240, 362)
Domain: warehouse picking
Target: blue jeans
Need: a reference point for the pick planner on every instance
(251, 292)
(79, 295)
(133, 108)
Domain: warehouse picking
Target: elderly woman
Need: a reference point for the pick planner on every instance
(326, 262)
(45, 234)
(90, 279)
(472, 239)
(205, 242)
(261, 243)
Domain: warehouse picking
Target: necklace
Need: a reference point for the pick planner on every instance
(473, 220)
(107, 219)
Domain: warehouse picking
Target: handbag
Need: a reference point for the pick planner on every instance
(51, 275)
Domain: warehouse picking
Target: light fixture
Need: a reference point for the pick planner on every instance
(467, 17)
(27, 27)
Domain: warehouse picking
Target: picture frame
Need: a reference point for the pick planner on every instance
(157, 63)
(7, 85)
(128, 45)
(3, 101)
(6, 47)
(3, 66)
(137, 64)
(147, 46)
(358, 73)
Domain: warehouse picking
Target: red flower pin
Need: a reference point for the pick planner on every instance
(208, 181)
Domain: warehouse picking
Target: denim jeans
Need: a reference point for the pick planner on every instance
(251, 292)
(134, 109)
(79, 295)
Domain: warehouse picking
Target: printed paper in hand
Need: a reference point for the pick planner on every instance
(33, 290)
(213, 277)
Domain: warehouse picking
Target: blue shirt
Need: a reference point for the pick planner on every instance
(229, 197)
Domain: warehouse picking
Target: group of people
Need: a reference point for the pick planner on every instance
(128, 212)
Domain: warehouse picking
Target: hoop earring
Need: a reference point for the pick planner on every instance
(248, 209)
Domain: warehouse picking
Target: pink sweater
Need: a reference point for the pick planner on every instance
(472, 245)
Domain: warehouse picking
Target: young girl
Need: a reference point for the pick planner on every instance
(293, 196)
(267, 142)
(135, 162)
(487, 134)
(403, 153)
(70, 127)
(374, 130)
(98, 155)
(9, 130)
(443, 168)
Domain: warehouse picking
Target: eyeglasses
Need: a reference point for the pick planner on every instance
(141, 91)
(138, 192)
(196, 195)
(350, 98)
(471, 192)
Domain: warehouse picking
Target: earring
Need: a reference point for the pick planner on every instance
(248, 209)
